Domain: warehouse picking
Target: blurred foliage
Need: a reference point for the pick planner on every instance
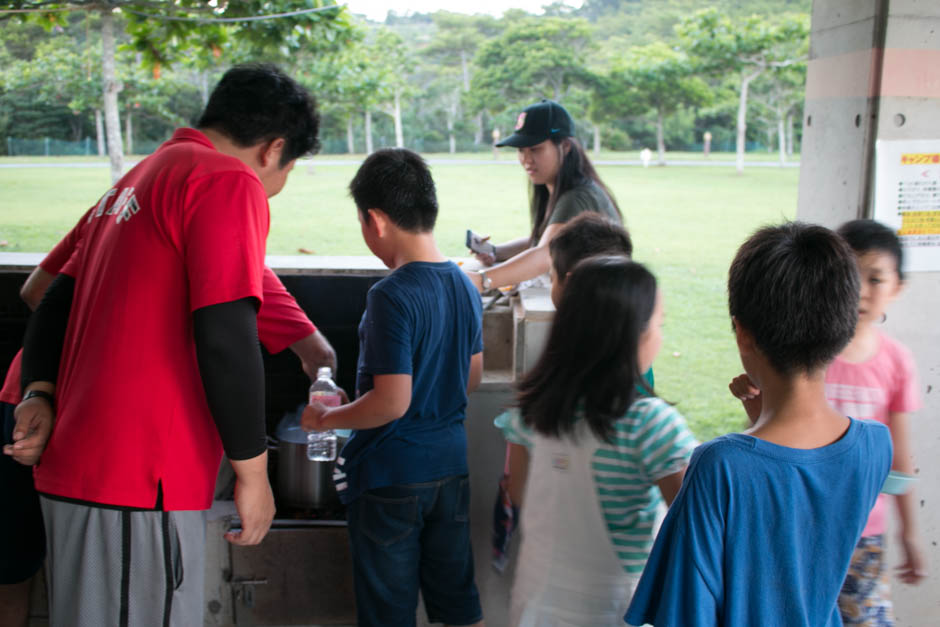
(619, 66)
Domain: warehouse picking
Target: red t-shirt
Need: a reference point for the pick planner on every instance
(281, 321)
(51, 263)
(184, 229)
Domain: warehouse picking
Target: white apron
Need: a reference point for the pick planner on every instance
(568, 574)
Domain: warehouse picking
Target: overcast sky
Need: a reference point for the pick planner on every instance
(377, 9)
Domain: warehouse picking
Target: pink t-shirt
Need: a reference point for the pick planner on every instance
(873, 390)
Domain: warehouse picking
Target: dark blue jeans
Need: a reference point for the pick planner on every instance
(406, 537)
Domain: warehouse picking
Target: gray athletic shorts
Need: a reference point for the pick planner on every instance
(115, 568)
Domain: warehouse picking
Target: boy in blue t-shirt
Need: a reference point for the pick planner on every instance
(403, 473)
(765, 523)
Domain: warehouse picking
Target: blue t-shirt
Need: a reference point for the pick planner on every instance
(424, 319)
(762, 534)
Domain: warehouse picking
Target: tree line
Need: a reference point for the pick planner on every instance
(633, 73)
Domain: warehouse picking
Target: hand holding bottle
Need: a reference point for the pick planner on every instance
(324, 393)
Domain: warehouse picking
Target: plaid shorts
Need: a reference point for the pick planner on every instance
(865, 598)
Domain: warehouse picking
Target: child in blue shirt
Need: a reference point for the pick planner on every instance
(403, 472)
(766, 521)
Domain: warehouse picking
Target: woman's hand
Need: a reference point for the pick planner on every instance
(487, 259)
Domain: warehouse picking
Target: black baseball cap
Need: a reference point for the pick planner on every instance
(538, 122)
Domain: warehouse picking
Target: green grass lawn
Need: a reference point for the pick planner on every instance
(686, 224)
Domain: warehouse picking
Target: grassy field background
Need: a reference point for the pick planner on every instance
(686, 223)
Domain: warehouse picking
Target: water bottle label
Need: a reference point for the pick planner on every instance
(326, 398)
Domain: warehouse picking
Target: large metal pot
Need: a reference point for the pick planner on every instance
(300, 482)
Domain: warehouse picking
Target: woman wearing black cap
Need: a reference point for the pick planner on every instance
(564, 185)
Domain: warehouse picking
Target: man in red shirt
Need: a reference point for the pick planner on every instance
(282, 324)
(146, 343)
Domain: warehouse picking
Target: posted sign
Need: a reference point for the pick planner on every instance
(907, 198)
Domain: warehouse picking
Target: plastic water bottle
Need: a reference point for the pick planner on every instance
(321, 445)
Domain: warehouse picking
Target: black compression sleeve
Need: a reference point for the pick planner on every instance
(232, 373)
(45, 333)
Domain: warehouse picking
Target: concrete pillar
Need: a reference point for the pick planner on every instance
(872, 62)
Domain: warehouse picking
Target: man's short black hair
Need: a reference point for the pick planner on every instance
(257, 102)
(587, 235)
(795, 288)
(398, 182)
(867, 235)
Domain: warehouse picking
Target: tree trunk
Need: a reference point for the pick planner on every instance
(399, 136)
(368, 132)
(597, 140)
(112, 122)
(451, 119)
(742, 119)
(129, 132)
(204, 87)
(99, 132)
(465, 68)
(75, 122)
(781, 140)
(350, 144)
(660, 140)
(478, 133)
(789, 133)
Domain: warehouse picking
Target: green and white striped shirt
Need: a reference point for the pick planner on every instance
(650, 442)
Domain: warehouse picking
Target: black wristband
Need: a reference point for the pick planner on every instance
(40, 394)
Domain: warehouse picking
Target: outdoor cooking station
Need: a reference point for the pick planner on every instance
(301, 574)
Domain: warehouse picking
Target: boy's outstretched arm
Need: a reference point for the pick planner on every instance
(388, 400)
(476, 372)
(518, 472)
(670, 484)
(914, 568)
(745, 391)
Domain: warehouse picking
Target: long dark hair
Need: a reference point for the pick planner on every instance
(575, 170)
(590, 360)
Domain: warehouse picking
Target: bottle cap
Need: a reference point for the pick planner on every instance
(325, 371)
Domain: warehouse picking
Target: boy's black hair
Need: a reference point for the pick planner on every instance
(587, 235)
(590, 359)
(866, 235)
(398, 182)
(795, 288)
(257, 102)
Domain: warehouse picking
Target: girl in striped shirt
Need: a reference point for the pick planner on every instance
(601, 458)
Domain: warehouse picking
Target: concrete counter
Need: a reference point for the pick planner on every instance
(332, 291)
(281, 264)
